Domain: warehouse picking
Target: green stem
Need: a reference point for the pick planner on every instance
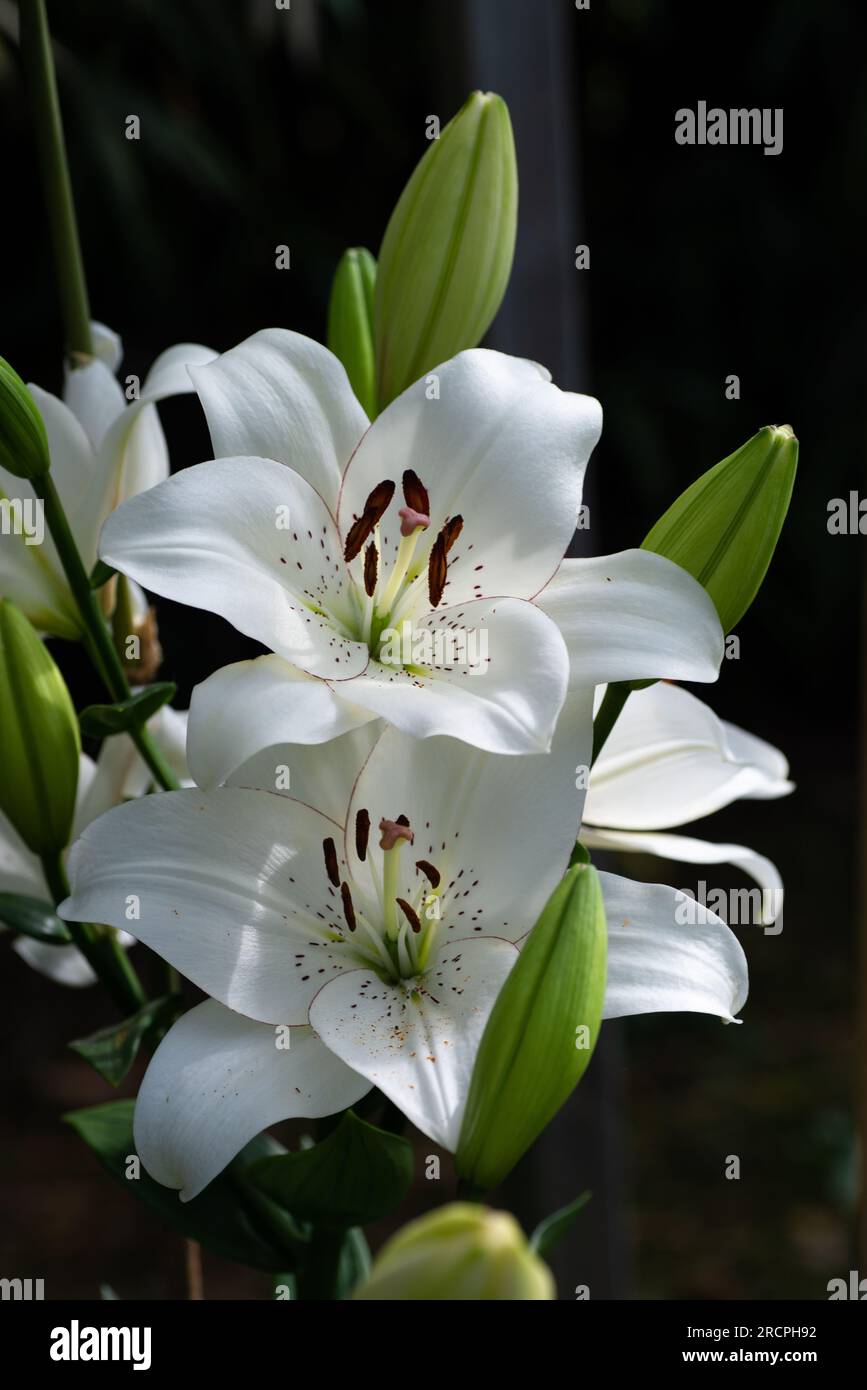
(38, 64)
(318, 1276)
(616, 696)
(97, 638)
(99, 946)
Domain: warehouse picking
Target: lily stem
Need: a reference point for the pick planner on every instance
(97, 638)
(616, 696)
(99, 946)
(38, 65)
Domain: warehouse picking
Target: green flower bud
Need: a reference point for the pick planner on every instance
(23, 441)
(541, 1032)
(458, 1252)
(39, 738)
(725, 527)
(447, 252)
(350, 323)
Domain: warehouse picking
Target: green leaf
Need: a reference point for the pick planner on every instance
(218, 1218)
(355, 1175)
(32, 917)
(112, 1050)
(724, 528)
(541, 1032)
(101, 721)
(550, 1232)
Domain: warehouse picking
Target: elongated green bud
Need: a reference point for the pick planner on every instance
(39, 739)
(23, 441)
(447, 252)
(350, 322)
(541, 1032)
(459, 1252)
(724, 529)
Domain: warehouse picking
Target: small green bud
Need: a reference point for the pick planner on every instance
(459, 1252)
(724, 529)
(541, 1032)
(23, 441)
(39, 739)
(447, 252)
(350, 322)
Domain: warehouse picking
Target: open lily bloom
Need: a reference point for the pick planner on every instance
(118, 774)
(373, 915)
(104, 449)
(408, 570)
(670, 760)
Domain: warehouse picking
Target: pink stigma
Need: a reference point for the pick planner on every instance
(411, 520)
(392, 831)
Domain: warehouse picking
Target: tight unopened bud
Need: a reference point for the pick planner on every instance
(724, 529)
(23, 440)
(447, 252)
(350, 322)
(460, 1252)
(39, 738)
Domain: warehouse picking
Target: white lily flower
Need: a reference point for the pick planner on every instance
(386, 565)
(670, 760)
(118, 774)
(104, 450)
(372, 916)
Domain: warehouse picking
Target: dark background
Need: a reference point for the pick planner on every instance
(262, 127)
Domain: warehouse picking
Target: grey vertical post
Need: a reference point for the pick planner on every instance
(523, 50)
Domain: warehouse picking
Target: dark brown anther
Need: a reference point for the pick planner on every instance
(452, 529)
(363, 526)
(415, 492)
(379, 499)
(348, 909)
(402, 820)
(409, 913)
(331, 868)
(362, 833)
(436, 571)
(371, 569)
(431, 874)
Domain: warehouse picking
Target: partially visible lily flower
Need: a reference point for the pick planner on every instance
(104, 449)
(670, 760)
(118, 774)
(408, 570)
(356, 932)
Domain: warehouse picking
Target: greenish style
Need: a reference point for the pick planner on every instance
(541, 1032)
(459, 1253)
(350, 323)
(39, 741)
(724, 529)
(447, 252)
(23, 440)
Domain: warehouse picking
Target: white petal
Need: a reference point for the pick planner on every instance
(212, 537)
(686, 850)
(634, 616)
(419, 1052)
(658, 964)
(107, 345)
(65, 965)
(20, 870)
(95, 398)
(498, 830)
(231, 888)
(217, 1080)
(503, 448)
(321, 774)
(281, 396)
(171, 372)
(254, 707)
(670, 760)
(509, 705)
